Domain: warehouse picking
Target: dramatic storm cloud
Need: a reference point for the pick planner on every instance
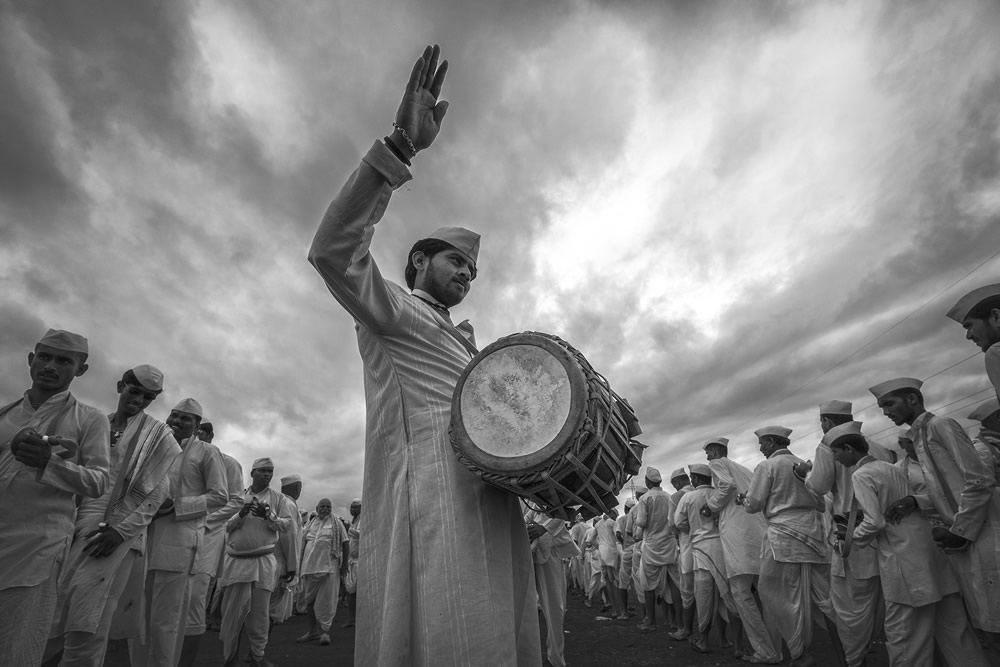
(734, 210)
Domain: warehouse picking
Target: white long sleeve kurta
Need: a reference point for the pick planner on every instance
(963, 491)
(654, 521)
(38, 507)
(445, 576)
(914, 571)
(741, 533)
(209, 557)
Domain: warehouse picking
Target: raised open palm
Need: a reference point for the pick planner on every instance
(420, 114)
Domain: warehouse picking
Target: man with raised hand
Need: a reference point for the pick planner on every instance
(53, 452)
(249, 569)
(962, 490)
(795, 563)
(923, 604)
(854, 581)
(446, 574)
(198, 487)
(110, 542)
(979, 314)
(741, 534)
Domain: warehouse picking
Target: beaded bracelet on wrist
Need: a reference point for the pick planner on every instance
(406, 138)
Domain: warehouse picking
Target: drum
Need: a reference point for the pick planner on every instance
(531, 416)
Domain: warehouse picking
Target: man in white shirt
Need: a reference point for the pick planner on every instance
(53, 452)
(198, 487)
(324, 562)
(979, 314)
(654, 524)
(550, 544)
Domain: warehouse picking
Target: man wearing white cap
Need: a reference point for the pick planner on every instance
(637, 582)
(987, 441)
(324, 563)
(654, 525)
(979, 314)
(111, 530)
(351, 578)
(550, 544)
(710, 580)
(249, 569)
(854, 585)
(53, 450)
(288, 551)
(448, 525)
(208, 561)
(683, 569)
(741, 534)
(795, 564)
(961, 488)
(607, 547)
(923, 605)
(197, 487)
(623, 533)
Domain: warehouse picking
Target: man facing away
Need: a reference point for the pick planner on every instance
(710, 582)
(197, 488)
(550, 544)
(446, 575)
(685, 564)
(654, 525)
(741, 534)
(623, 533)
(854, 586)
(324, 562)
(249, 568)
(962, 490)
(109, 547)
(987, 441)
(979, 314)
(923, 605)
(53, 451)
(795, 563)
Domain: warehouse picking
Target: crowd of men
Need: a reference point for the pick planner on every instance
(869, 542)
(121, 526)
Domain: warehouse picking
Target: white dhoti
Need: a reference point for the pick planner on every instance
(321, 592)
(86, 648)
(550, 578)
(167, 596)
(244, 605)
(351, 580)
(911, 633)
(788, 592)
(856, 603)
(741, 589)
(26, 614)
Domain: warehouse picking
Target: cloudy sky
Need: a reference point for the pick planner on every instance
(734, 210)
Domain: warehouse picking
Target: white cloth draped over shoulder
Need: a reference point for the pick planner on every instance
(741, 533)
(322, 545)
(445, 576)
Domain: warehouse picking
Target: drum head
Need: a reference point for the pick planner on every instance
(518, 404)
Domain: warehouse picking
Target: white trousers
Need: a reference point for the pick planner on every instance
(856, 603)
(197, 603)
(244, 606)
(167, 597)
(322, 592)
(26, 614)
(741, 588)
(87, 649)
(788, 592)
(550, 580)
(911, 632)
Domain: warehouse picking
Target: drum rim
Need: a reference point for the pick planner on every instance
(544, 456)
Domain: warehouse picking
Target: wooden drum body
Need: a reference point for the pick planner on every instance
(531, 416)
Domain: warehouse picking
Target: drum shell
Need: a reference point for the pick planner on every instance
(581, 470)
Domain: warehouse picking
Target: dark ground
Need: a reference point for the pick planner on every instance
(589, 643)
